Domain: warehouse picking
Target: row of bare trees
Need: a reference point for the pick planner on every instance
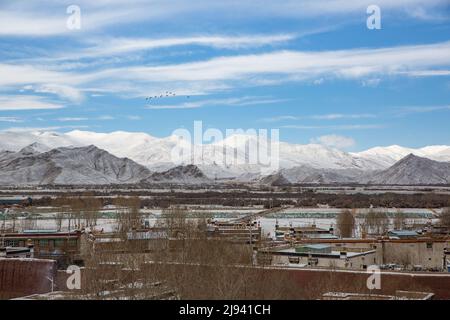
(78, 211)
(187, 262)
(374, 222)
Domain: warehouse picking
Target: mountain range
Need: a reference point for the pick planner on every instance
(410, 170)
(88, 165)
(82, 157)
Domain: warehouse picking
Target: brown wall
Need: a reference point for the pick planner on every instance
(21, 277)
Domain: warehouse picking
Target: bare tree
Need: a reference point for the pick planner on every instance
(345, 224)
(92, 206)
(444, 218)
(399, 220)
(128, 213)
(377, 222)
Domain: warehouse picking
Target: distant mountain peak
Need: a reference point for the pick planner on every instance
(189, 174)
(414, 170)
(69, 166)
(35, 148)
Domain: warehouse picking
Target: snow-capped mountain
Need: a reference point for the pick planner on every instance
(387, 156)
(189, 174)
(413, 170)
(62, 166)
(308, 175)
(84, 166)
(226, 159)
(410, 170)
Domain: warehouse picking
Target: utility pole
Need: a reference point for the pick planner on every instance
(51, 281)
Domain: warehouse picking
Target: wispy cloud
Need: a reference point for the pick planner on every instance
(62, 91)
(106, 117)
(71, 119)
(335, 141)
(335, 127)
(403, 111)
(330, 116)
(134, 118)
(23, 102)
(49, 18)
(115, 46)
(287, 66)
(75, 119)
(242, 101)
(427, 73)
(11, 119)
(223, 73)
(41, 129)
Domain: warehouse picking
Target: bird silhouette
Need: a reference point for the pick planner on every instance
(166, 95)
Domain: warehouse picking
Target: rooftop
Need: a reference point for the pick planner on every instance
(403, 233)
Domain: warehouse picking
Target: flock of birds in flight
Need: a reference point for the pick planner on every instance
(166, 95)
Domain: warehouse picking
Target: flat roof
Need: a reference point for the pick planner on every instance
(316, 246)
(404, 233)
(332, 254)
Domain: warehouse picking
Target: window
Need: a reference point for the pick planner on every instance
(294, 260)
(43, 243)
(429, 245)
(72, 242)
(11, 243)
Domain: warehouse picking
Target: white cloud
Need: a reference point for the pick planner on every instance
(10, 119)
(279, 118)
(335, 116)
(134, 118)
(63, 91)
(242, 101)
(21, 102)
(41, 129)
(70, 119)
(114, 46)
(335, 127)
(428, 73)
(288, 66)
(29, 18)
(222, 73)
(101, 118)
(318, 81)
(335, 141)
(106, 117)
(330, 116)
(371, 82)
(28, 74)
(402, 111)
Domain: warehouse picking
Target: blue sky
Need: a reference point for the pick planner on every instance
(310, 68)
